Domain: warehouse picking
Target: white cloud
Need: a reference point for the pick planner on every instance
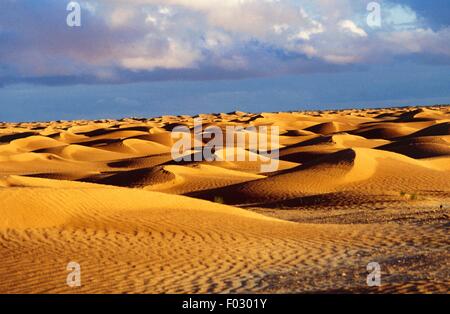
(280, 28)
(400, 16)
(241, 35)
(121, 16)
(328, 30)
(88, 6)
(341, 59)
(350, 26)
(305, 34)
(176, 56)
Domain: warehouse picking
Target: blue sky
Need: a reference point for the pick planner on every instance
(155, 57)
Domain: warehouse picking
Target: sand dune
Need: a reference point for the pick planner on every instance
(420, 147)
(201, 177)
(384, 131)
(38, 203)
(441, 129)
(352, 187)
(368, 171)
(328, 128)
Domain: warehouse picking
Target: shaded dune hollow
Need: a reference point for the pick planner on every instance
(352, 187)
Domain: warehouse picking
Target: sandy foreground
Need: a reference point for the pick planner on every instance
(353, 187)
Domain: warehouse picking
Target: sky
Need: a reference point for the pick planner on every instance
(145, 58)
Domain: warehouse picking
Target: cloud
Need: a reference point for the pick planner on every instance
(350, 26)
(121, 16)
(176, 56)
(132, 40)
(400, 16)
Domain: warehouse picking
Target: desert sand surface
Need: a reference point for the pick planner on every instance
(352, 187)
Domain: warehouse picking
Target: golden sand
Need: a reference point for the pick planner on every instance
(353, 187)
